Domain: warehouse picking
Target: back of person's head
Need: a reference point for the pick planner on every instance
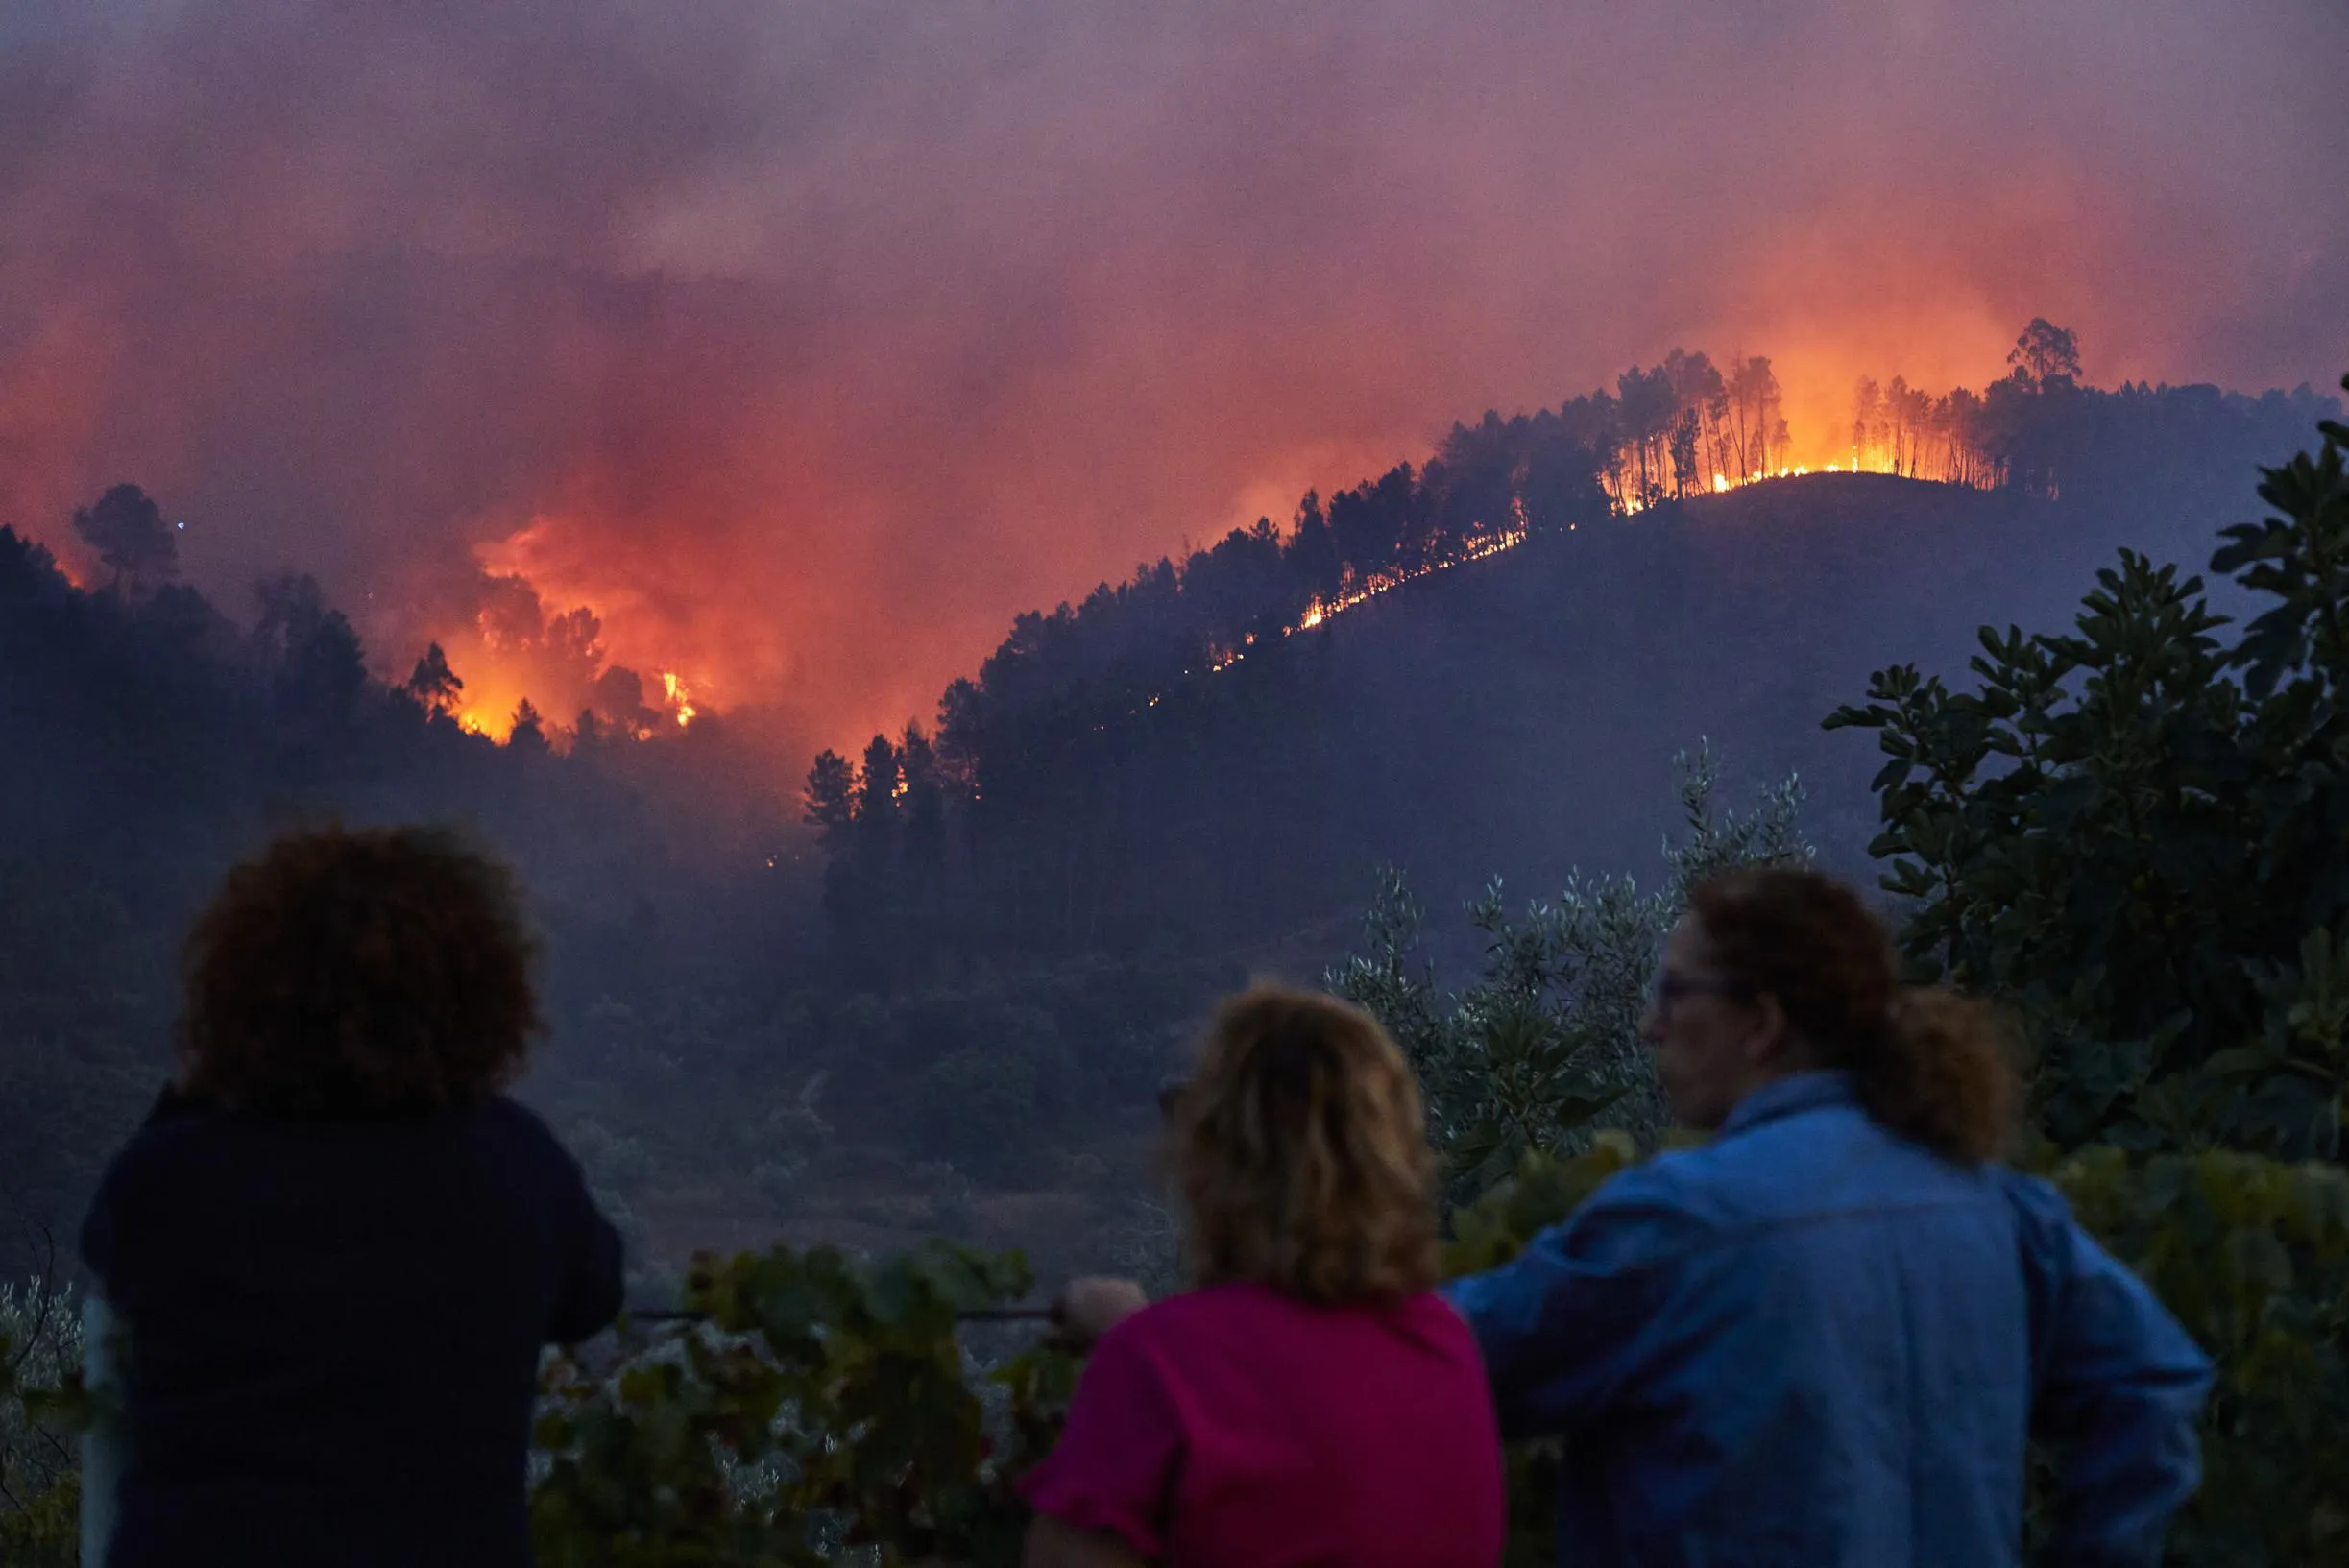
(1926, 1063)
(1302, 1156)
(356, 976)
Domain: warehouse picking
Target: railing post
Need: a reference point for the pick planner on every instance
(102, 1453)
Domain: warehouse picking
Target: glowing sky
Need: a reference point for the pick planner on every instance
(805, 341)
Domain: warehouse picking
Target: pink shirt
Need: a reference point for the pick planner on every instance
(1238, 1428)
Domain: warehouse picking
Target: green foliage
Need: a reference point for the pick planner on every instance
(40, 1351)
(2134, 831)
(1545, 1043)
(1545, 1191)
(2135, 834)
(824, 1405)
(2253, 1257)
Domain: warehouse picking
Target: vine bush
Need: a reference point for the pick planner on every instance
(820, 1406)
(825, 1409)
(40, 1493)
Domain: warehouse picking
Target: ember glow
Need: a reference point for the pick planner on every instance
(789, 350)
(679, 697)
(1322, 610)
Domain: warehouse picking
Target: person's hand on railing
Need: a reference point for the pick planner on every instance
(1090, 1308)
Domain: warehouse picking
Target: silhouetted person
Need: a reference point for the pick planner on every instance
(1310, 1400)
(1827, 1337)
(336, 1247)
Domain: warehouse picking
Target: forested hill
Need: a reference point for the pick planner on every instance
(146, 741)
(1207, 755)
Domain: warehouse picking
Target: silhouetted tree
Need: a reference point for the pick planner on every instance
(961, 736)
(1649, 409)
(1562, 488)
(1698, 390)
(129, 535)
(2044, 353)
(326, 672)
(1687, 440)
(317, 665)
(434, 685)
(1314, 562)
(529, 736)
(877, 783)
(924, 804)
(1757, 415)
(829, 801)
(1867, 421)
(619, 697)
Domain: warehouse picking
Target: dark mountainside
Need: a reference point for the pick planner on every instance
(1203, 759)
(1026, 915)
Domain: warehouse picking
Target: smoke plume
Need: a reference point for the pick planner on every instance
(802, 342)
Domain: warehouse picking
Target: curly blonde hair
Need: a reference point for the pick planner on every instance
(1301, 1153)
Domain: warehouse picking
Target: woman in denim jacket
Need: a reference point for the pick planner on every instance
(1826, 1338)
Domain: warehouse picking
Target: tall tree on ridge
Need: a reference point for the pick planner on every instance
(829, 802)
(433, 684)
(2045, 352)
(128, 531)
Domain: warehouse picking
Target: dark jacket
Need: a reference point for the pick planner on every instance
(334, 1331)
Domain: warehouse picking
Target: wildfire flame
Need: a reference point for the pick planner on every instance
(1319, 612)
(680, 697)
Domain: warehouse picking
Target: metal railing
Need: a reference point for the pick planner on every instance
(102, 1453)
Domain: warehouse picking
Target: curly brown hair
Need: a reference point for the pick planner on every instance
(359, 975)
(1301, 1153)
(1926, 1063)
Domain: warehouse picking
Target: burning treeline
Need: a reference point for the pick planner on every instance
(521, 664)
(1677, 431)
(1674, 430)
(1683, 427)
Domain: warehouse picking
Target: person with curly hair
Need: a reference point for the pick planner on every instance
(1831, 1334)
(336, 1247)
(1310, 1399)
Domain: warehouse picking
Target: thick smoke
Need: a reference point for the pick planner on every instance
(804, 340)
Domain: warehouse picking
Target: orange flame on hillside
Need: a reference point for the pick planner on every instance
(1322, 610)
(680, 697)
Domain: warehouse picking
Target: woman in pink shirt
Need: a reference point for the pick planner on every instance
(1309, 1401)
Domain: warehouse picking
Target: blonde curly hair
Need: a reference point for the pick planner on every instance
(1301, 1150)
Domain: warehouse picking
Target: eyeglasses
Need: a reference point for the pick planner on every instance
(1670, 988)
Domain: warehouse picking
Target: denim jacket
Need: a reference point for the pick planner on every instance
(1812, 1344)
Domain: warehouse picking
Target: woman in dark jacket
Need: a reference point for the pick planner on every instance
(335, 1247)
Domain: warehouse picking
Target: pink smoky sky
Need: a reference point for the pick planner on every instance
(804, 341)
